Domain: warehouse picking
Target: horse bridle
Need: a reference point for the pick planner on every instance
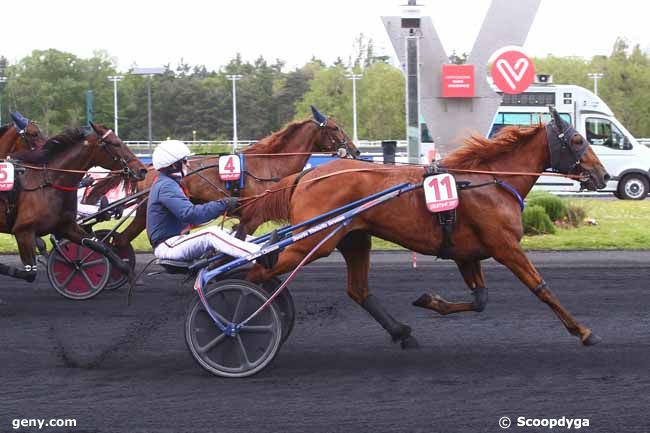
(107, 147)
(29, 141)
(342, 147)
(564, 156)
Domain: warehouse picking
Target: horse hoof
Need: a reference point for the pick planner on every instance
(592, 340)
(423, 301)
(409, 343)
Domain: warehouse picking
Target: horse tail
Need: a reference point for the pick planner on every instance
(103, 186)
(274, 204)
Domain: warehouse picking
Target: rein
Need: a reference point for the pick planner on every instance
(250, 200)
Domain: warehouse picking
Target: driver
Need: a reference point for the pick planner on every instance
(170, 215)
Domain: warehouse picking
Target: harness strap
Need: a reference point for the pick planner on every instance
(513, 191)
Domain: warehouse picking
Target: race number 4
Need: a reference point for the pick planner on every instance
(6, 176)
(229, 167)
(440, 192)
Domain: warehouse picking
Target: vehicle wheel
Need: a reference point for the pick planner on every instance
(633, 187)
(284, 301)
(77, 272)
(117, 279)
(252, 348)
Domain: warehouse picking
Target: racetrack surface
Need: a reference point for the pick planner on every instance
(126, 369)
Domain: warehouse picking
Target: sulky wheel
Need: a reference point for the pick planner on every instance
(252, 348)
(77, 272)
(283, 303)
(117, 278)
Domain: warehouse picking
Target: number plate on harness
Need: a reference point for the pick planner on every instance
(440, 192)
(6, 176)
(229, 167)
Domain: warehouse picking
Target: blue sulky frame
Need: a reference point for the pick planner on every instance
(339, 217)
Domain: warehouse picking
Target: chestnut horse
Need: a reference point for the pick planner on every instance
(47, 191)
(23, 134)
(488, 218)
(283, 153)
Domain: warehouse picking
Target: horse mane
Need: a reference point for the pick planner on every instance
(5, 128)
(478, 150)
(273, 204)
(270, 143)
(54, 146)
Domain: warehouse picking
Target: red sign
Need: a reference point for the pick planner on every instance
(457, 81)
(513, 72)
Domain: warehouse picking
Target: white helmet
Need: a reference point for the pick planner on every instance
(168, 152)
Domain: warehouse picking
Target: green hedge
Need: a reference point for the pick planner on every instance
(536, 221)
(554, 206)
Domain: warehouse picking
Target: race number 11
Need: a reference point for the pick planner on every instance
(440, 192)
(229, 167)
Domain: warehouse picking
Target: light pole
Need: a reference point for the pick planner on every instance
(194, 135)
(115, 79)
(354, 78)
(234, 78)
(3, 80)
(596, 76)
(149, 72)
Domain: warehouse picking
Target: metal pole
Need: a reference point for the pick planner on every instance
(3, 80)
(354, 78)
(149, 113)
(234, 78)
(234, 114)
(596, 76)
(115, 79)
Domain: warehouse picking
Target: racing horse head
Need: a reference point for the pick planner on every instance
(570, 153)
(332, 137)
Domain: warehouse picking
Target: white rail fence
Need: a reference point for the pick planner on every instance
(368, 147)
(142, 148)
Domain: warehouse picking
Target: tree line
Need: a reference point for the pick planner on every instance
(49, 86)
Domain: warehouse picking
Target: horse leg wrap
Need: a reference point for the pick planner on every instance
(104, 250)
(397, 331)
(480, 298)
(29, 274)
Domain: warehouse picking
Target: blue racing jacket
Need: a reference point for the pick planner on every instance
(169, 211)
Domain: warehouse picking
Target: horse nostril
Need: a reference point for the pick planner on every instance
(143, 173)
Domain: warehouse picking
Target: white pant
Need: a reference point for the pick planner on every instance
(193, 245)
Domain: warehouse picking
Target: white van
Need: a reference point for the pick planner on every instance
(626, 161)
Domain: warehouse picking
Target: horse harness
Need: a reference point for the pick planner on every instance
(447, 219)
(10, 198)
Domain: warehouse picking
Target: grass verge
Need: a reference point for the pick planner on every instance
(621, 225)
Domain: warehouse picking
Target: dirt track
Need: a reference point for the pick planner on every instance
(126, 369)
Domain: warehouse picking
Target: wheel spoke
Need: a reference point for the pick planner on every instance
(69, 278)
(235, 314)
(256, 328)
(212, 343)
(62, 257)
(92, 263)
(90, 283)
(243, 350)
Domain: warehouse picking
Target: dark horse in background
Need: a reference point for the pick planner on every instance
(47, 191)
(488, 218)
(298, 139)
(22, 134)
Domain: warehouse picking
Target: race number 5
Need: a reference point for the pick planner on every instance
(6, 176)
(229, 167)
(440, 192)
